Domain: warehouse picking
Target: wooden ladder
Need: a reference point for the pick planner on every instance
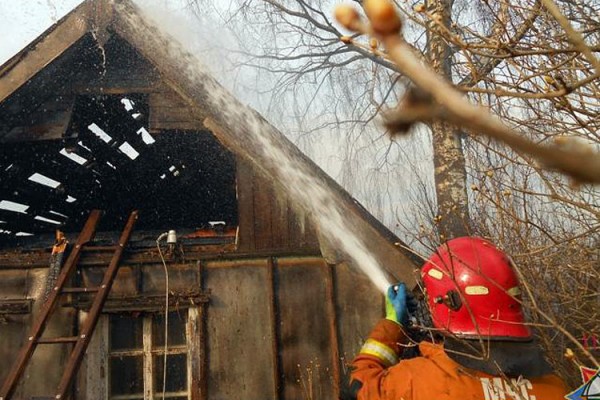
(82, 340)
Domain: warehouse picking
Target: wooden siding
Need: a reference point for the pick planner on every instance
(239, 340)
(276, 327)
(245, 194)
(13, 285)
(14, 334)
(357, 314)
(168, 111)
(267, 220)
(307, 363)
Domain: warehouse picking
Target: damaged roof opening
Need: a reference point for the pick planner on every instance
(108, 160)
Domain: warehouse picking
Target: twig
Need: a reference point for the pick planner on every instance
(574, 36)
(580, 163)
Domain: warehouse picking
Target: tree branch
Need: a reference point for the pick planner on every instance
(579, 162)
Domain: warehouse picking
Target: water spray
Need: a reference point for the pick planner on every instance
(246, 132)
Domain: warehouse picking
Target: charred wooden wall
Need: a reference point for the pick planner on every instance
(46, 366)
(267, 220)
(275, 326)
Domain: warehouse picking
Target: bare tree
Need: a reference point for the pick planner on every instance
(532, 65)
(448, 159)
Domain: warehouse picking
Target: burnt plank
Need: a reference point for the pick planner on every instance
(100, 153)
(26, 189)
(13, 335)
(239, 333)
(198, 351)
(169, 111)
(18, 109)
(38, 204)
(120, 116)
(355, 316)
(302, 230)
(263, 234)
(47, 48)
(118, 304)
(13, 284)
(280, 222)
(310, 239)
(245, 183)
(194, 331)
(49, 121)
(332, 315)
(225, 254)
(296, 228)
(305, 346)
(40, 198)
(273, 306)
(182, 278)
(122, 66)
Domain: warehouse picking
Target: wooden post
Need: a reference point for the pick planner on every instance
(271, 266)
(333, 333)
(198, 354)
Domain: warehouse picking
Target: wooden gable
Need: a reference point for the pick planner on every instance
(277, 296)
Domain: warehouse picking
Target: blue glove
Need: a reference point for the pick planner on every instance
(399, 303)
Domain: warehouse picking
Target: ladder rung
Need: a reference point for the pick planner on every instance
(99, 248)
(66, 339)
(80, 342)
(80, 289)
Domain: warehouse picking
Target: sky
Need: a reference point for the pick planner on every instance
(21, 21)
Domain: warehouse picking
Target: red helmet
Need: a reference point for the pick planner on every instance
(471, 288)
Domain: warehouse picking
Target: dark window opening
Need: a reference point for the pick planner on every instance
(137, 340)
(109, 160)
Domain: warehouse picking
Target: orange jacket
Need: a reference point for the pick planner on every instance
(434, 375)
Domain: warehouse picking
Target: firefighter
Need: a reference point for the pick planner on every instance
(488, 353)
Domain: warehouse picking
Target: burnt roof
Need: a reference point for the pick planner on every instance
(224, 116)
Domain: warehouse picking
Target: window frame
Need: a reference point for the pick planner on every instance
(97, 379)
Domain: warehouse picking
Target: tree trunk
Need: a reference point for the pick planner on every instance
(448, 157)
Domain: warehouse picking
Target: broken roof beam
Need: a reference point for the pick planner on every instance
(21, 187)
(18, 222)
(43, 157)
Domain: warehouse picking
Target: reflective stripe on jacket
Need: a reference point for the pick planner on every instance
(434, 375)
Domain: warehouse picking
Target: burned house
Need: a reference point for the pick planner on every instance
(109, 137)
